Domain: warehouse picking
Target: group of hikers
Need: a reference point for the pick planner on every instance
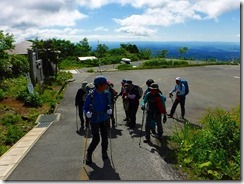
(97, 102)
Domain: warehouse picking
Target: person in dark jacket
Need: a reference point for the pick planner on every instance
(133, 98)
(155, 109)
(79, 103)
(124, 93)
(113, 93)
(97, 109)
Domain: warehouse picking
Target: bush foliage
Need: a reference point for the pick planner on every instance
(214, 151)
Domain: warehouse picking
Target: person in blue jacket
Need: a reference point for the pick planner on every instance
(179, 89)
(97, 109)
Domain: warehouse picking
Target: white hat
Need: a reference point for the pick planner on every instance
(178, 78)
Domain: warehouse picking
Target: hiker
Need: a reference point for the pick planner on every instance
(133, 98)
(113, 95)
(123, 93)
(97, 109)
(179, 89)
(155, 109)
(79, 102)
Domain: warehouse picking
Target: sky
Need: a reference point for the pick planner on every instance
(122, 20)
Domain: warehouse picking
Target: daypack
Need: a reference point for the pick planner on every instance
(186, 86)
(139, 91)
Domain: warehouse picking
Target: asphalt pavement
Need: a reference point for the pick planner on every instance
(58, 154)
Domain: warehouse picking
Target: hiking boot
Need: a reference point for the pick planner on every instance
(126, 119)
(158, 137)
(88, 159)
(170, 116)
(147, 140)
(132, 125)
(105, 156)
(153, 132)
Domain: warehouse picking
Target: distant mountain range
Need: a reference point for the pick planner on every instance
(222, 51)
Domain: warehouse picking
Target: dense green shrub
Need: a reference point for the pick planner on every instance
(214, 151)
(10, 119)
(29, 99)
(14, 133)
(2, 95)
(124, 67)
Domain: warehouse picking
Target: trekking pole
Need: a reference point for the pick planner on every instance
(172, 100)
(115, 109)
(84, 156)
(110, 141)
(143, 115)
(76, 119)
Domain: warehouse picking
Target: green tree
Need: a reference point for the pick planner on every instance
(162, 53)
(6, 43)
(101, 50)
(83, 48)
(183, 50)
(145, 54)
(132, 48)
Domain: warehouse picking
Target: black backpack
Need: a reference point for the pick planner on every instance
(139, 91)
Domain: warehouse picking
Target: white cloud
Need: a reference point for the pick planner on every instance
(101, 28)
(59, 18)
(137, 30)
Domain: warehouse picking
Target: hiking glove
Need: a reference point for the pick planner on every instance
(170, 95)
(89, 114)
(109, 111)
(143, 107)
(165, 119)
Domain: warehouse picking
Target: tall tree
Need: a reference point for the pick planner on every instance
(101, 50)
(6, 42)
(162, 53)
(183, 50)
(83, 48)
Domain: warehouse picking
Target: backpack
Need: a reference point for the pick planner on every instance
(139, 91)
(186, 86)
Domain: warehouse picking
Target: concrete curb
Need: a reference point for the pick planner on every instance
(10, 160)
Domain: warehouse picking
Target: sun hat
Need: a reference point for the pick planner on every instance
(178, 78)
(153, 86)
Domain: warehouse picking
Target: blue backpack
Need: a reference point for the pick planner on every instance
(186, 86)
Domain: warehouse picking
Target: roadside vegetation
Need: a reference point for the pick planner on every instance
(209, 153)
(213, 152)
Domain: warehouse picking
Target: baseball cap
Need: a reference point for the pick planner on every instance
(100, 80)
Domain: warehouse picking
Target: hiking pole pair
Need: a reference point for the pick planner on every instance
(143, 115)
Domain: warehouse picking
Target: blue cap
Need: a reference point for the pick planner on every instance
(100, 80)
(123, 81)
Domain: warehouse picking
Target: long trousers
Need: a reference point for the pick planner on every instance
(179, 100)
(96, 129)
(157, 117)
(133, 107)
(81, 116)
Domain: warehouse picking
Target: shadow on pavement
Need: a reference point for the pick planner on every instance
(107, 172)
(161, 147)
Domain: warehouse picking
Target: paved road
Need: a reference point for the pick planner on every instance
(58, 155)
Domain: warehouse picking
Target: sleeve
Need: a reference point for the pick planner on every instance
(86, 107)
(174, 90)
(160, 104)
(163, 99)
(144, 100)
(77, 97)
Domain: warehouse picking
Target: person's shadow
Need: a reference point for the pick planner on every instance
(107, 172)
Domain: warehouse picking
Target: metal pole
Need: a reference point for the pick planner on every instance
(143, 115)
(84, 156)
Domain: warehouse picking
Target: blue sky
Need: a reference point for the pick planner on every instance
(122, 20)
